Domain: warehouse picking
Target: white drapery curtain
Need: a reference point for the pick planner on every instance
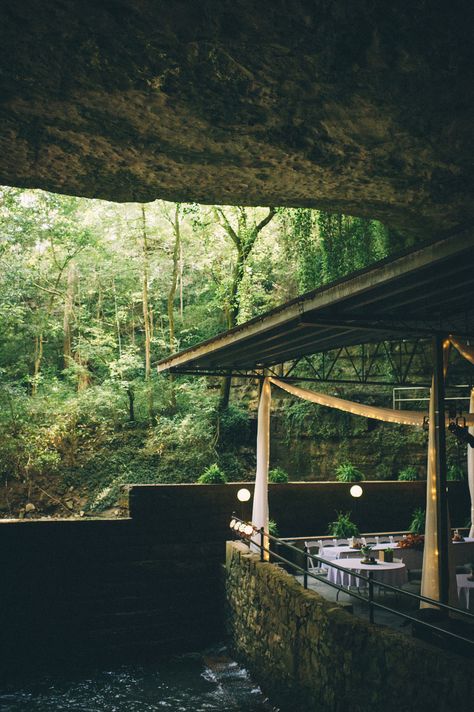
(260, 497)
(260, 512)
(405, 417)
(464, 349)
(430, 572)
(470, 467)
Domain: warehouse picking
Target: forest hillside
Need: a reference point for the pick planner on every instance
(93, 294)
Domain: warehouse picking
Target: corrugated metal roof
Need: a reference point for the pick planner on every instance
(414, 294)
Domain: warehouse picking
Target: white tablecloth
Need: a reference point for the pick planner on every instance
(465, 592)
(393, 574)
(336, 552)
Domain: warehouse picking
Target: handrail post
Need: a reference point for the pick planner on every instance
(262, 543)
(371, 596)
(305, 575)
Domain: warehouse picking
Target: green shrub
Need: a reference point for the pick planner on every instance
(273, 527)
(455, 472)
(277, 474)
(347, 472)
(234, 427)
(417, 525)
(343, 526)
(233, 466)
(213, 475)
(408, 474)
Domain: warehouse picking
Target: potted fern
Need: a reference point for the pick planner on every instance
(213, 475)
(343, 527)
(277, 476)
(347, 472)
(408, 474)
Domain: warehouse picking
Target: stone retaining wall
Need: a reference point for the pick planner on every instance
(115, 589)
(309, 654)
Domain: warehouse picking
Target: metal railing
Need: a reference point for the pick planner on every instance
(258, 538)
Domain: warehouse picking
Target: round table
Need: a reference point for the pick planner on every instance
(394, 574)
(465, 592)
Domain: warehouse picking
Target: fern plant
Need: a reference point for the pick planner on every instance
(408, 474)
(343, 527)
(278, 474)
(213, 475)
(347, 472)
(455, 472)
(273, 528)
(417, 525)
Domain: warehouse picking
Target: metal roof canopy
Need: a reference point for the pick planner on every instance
(415, 294)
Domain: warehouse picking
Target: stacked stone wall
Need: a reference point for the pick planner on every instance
(311, 655)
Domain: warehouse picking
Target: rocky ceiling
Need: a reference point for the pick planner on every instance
(358, 107)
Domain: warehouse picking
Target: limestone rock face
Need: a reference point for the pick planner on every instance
(357, 107)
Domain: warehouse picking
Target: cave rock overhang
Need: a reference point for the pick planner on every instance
(362, 108)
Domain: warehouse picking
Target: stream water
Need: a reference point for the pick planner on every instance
(204, 682)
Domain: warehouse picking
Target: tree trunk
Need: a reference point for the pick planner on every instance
(172, 295)
(174, 279)
(244, 243)
(117, 320)
(37, 363)
(131, 403)
(180, 279)
(231, 316)
(84, 376)
(68, 314)
(146, 315)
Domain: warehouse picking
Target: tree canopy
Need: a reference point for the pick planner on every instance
(92, 294)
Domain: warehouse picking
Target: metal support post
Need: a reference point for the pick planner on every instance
(371, 596)
(262, 543)
(305, 566)
(441, 487)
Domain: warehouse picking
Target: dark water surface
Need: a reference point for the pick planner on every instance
(205, 682)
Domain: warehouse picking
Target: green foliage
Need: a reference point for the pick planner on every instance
(234, 464)
(417, 524)
(347, 472)
(213, 475)
(75, 406)
(455, 472)
(273, 528)
(234, 427)
(408, 474)
(277, 474)
(343, 527)
(305, 419)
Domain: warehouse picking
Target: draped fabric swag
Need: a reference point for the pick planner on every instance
(260, 497)
(430, 574)
(470, 467)
(464, 349)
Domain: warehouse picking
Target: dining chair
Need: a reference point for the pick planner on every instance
(313, 565)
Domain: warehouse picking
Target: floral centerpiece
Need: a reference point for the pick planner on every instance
(366, 551)
(412, 541)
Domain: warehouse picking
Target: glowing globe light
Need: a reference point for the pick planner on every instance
(356, 491)
(243, 495)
